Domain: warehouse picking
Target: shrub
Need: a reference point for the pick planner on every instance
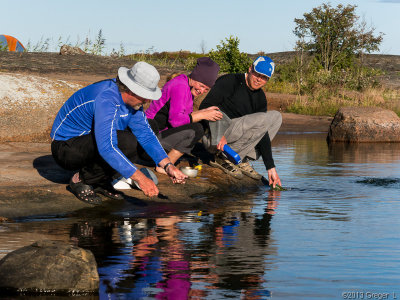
(229, 58)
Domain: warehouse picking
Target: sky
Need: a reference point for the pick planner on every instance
(174, 25)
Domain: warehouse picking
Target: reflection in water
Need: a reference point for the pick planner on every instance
(335, 230)
(201, 255)
(364, 152)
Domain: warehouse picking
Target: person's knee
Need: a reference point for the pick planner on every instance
(276, 116)
(269, 118)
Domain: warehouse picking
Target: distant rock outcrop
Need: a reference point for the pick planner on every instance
(49, 266)
(364, 124)
(69, 50)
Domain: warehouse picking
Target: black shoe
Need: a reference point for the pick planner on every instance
(109, 191)
(84, 192)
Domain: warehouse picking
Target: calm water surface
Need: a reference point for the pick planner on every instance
(335, 234)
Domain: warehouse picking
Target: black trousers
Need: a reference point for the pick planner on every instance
(80, 153)
(182, 138)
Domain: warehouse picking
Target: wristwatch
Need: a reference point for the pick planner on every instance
(167, 165)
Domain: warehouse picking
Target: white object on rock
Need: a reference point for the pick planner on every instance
(188, 171)
(126, 184)
(122, 183)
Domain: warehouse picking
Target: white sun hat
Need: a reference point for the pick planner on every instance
(142, 79)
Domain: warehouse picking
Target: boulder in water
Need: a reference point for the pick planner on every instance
(49, 267)
(364, 124)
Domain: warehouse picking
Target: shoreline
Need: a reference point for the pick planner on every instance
(30, 181)
(32, 184)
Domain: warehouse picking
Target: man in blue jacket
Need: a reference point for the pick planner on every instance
(98, 129)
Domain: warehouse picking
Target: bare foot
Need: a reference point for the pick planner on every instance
(75, 178)
(160, 170)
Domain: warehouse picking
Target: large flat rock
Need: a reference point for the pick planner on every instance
(31, 183)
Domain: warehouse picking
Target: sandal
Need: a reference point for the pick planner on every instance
(227, 166)
(84, 192)
(109, 192)
(247, 169)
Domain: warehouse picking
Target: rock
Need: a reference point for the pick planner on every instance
(69, 50)
(49, 266)
(364, 124)
(29, 104)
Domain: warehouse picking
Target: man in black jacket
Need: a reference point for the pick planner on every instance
(247, 127)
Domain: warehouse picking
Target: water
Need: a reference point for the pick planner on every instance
(335, 234)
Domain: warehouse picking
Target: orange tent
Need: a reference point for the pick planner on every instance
(11, 43)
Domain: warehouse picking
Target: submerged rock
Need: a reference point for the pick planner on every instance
(49, 267)
(364, 124)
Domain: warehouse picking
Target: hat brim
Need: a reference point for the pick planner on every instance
(123, 74)
(261, 73)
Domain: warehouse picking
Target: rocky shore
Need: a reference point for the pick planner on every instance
(32, 88)
(32, 184)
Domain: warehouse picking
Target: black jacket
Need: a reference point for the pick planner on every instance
(232, 95)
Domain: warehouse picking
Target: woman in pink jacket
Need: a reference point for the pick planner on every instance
(173, 113)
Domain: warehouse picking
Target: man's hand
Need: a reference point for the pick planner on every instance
(175, 174)
(147, 185)
(222, 143)
(211, 113)
(273, 177)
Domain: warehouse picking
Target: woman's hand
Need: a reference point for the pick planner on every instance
(211, 113)
(175, 174)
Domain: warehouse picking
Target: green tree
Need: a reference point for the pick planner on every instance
(335, 36)
(228, 56)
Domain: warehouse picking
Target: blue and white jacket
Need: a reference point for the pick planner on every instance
(99, 107)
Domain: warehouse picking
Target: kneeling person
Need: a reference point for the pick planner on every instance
(98, 129)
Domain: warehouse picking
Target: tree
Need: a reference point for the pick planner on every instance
(229, 58)
(334, 35)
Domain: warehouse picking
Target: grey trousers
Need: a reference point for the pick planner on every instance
(244, 133)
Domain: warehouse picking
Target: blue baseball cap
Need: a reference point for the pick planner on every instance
(264, 65)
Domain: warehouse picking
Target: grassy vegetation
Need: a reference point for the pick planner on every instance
(183, 60)
(318, 91)
(327, 104)
(321, 92)
(90, 45)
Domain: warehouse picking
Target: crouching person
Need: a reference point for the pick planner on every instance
(247, 127)
(98, 129)
(173, 114)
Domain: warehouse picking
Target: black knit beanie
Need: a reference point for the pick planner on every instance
(205, 71)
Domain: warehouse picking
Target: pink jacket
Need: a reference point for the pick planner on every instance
(177, 93)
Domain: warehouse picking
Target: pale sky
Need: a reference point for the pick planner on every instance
(175, 25)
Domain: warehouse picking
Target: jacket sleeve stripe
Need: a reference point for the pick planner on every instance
(67, 115)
